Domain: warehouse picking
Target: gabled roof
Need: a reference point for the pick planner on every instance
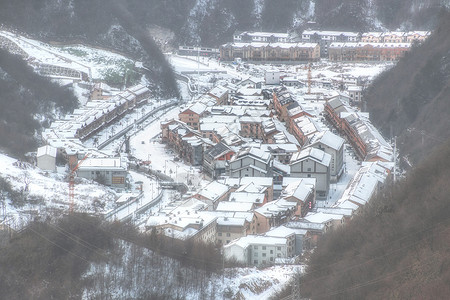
(321, 218)
(335, 103)
(251, 187)
(249, 240)
(234, 206)
(329, 139)
(281, 167)
(197, 108)
(273, 208)
(46, 150)
(218, 150)
(213, 191)
(255, 153)
(317, 155)
(284, 232)
(218, 91)
(305, 225)
(300, 189)
(247, 197)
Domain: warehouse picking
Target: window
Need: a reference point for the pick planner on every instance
(228, 234)
(309, 169)
(264, 247)
(271, 259)
(309, 175)
(271, 251)
(279, 248)
(255, 247)
(228, 241)
(255, 261)
(220, 233)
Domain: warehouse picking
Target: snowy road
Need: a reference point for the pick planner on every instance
(150, 196)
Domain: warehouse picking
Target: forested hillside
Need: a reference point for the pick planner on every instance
(81, 257)
(411, 100)
(397, 248)
(27, 102)
(212, 22)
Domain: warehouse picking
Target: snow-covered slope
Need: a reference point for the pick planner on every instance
(138, 273)
(38, 193)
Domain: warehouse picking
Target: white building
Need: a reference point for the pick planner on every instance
(272, 77)
(110, 171)
(355, 92)
(46, 158)
(255, 36)
(256, 250)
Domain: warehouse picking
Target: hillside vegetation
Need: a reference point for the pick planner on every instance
(47, 259)
(78, 254)
(27, 103)
(212, 22)
(397, 248)
(411, 100)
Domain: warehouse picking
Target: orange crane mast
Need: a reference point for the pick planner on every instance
(72, 183)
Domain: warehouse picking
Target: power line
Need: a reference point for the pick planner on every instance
(380, 256)
(397, 239)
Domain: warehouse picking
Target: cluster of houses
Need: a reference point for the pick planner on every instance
(368, 143)
(270, 161)
(313, 44)
(65, 137)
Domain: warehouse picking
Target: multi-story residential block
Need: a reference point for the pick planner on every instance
(334, 146)
(355, 93)
(363, 51)
(313, 163)
(191, 115)
(212, 194)
(250, 162)
(252, 36)
(109, 171)
(372, 37)
(270, 52)
(215, 160)
(274, 213)
(255, 250)
(325, 38)
(304, 128)
(282, 101)
(220, 93)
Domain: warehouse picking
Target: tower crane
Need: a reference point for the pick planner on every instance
(72, 182)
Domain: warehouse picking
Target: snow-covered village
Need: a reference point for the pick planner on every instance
(268, 147)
